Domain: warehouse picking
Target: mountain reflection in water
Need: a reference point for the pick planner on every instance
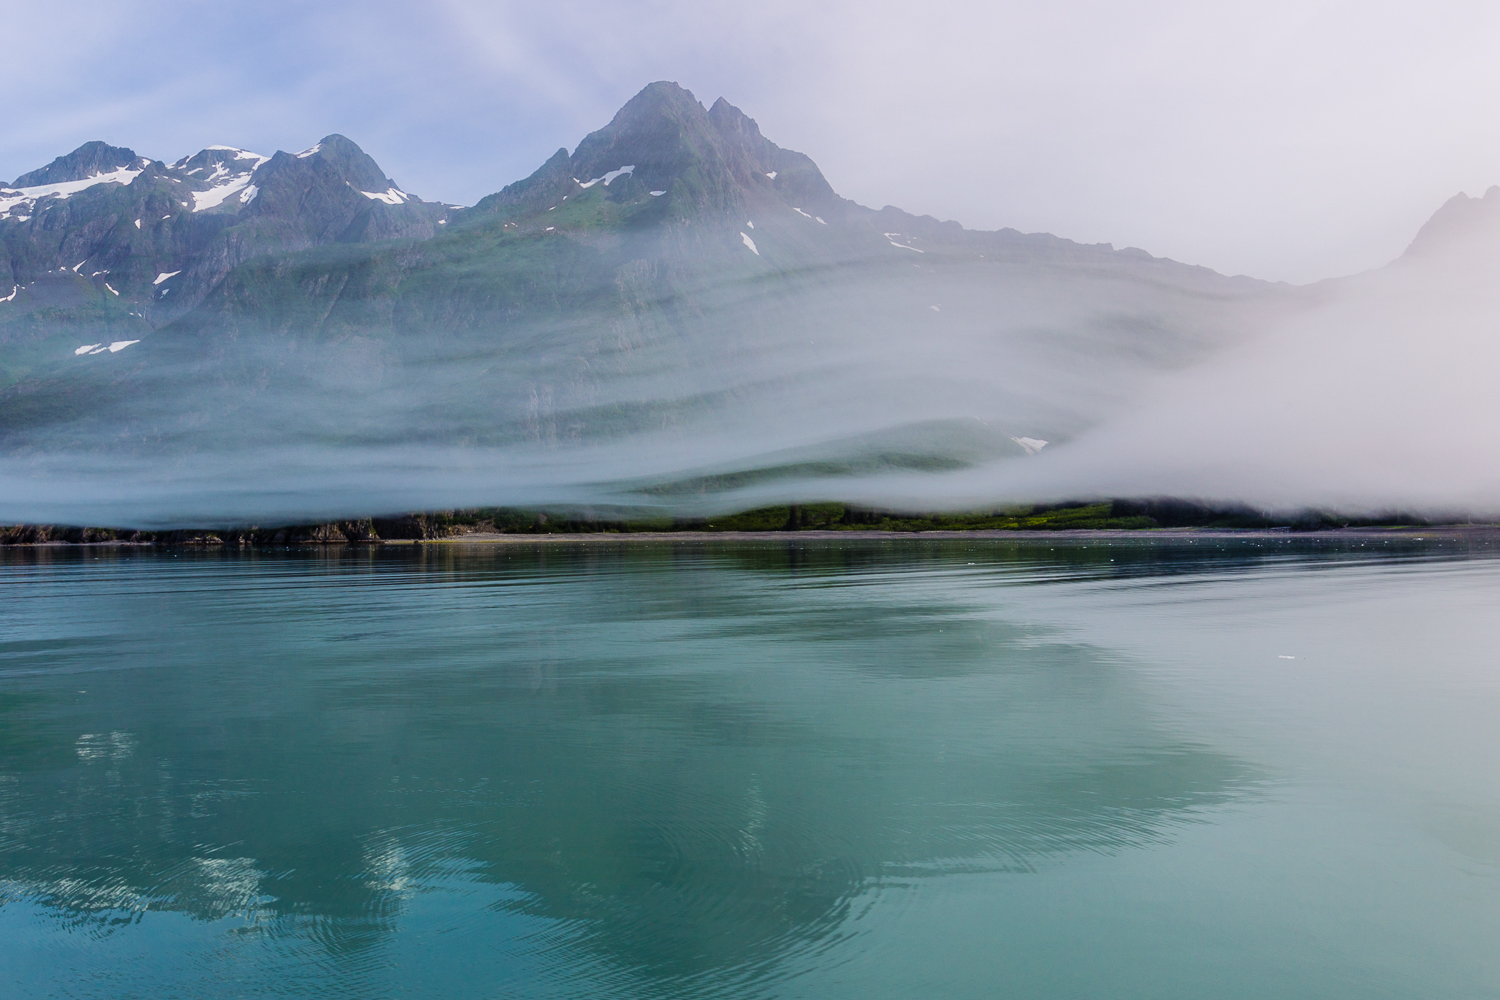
(644, 769)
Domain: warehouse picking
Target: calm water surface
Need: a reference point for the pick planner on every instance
(822, 770)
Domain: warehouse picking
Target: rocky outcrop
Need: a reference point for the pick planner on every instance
(145, 241)
(360, 530)
(41, 534)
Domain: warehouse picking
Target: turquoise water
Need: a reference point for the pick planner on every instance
(822, 770)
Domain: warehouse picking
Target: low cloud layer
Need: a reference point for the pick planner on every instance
(883, 381)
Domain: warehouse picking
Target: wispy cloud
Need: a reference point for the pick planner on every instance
(1290, 141)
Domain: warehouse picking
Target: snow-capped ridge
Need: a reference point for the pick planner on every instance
(10, 198)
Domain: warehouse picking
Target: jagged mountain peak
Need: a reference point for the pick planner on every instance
(663, 140)
(731, 121)
(663, 133)
(348, 160)
(1460, 220)
(89, 160)
(233, 158)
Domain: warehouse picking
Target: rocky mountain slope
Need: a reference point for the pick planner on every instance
(122, 244)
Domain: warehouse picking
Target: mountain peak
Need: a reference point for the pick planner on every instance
(711, 158)
(1461, 219)
(663, 97)
(350, 163)
(732, 122)
(663, 132)
(88, 160)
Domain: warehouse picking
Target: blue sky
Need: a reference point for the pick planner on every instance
(1286, 140)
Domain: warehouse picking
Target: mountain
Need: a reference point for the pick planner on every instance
(678, 312)
(88, 238)
(1460, 220)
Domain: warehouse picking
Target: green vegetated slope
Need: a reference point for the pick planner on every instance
(1121, 515)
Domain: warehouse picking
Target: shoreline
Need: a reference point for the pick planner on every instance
(1431, 533)
(1442, 532)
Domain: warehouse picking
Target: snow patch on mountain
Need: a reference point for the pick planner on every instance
(216, 196)
(390, 196)
(606, 178)
(1032, 445)
(903, 246)
(164, 276)
(749, 243)
(29, 196)
(229, 177)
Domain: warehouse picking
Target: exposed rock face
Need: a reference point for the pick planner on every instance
(41, 534)
(333, 533)
(417, 527)
(146, 241)
(88, 160)
(404, 527)
(712, 160)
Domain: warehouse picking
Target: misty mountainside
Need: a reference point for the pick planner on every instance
(679, 313)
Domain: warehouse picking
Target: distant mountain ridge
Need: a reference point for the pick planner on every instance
(1459, 219)
(99, 226)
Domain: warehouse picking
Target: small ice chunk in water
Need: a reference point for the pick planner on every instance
(749, 243)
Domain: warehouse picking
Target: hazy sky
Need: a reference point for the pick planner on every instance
(1285, 140)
